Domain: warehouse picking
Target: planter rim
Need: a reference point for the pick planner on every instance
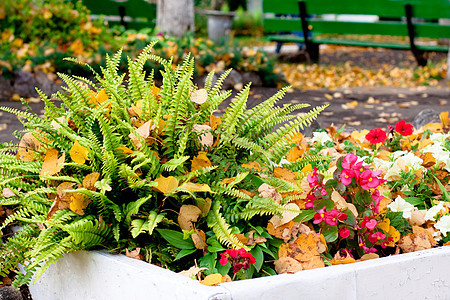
(217, 13)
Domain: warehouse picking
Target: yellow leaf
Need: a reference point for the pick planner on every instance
(295, 153)
(433, 127)
(78, 202)
(143, 131)
(285, 174)
(77, 47)
(307, 169)
(90, 180)
(444, 119)
(166, 184)
(199, 239)
(204, 205)
(195, 187)
(213, 279)
(340, 260)
(214, 122)
(287, 264)
(52, 164)
(369, 256)
(78, 153)
(200, 161)
(126, 150)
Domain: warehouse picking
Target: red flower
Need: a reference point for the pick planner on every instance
(404, 128)
(344, 232)
(376, 135)
(240, 259)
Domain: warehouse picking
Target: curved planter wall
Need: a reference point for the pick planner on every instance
(99, 275)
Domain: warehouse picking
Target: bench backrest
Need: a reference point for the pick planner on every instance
(391, 13)
(138, 13)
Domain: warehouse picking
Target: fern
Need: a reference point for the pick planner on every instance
(221, 229)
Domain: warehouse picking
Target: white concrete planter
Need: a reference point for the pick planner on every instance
(98, 275)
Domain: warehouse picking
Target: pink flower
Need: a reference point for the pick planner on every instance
(369, 179)
(344, 232)
(312, 178)
(333, 216)
(404, 128)
(309, 201)
(376, 135)
(349, 161)
(374, 237)
(347, 176)
(369, 224)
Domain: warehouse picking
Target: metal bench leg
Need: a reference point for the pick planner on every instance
(418, 54)
(311, 48)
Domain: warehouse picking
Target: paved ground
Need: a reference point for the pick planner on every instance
(356, 108)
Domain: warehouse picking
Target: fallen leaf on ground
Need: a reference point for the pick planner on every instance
(199, 96)
(165, 184)
(286, 216)
(342, 260)
(200, 161)
(78, 153)
(192, 272)
(213, 279)
(267, 191)
(136, 253)
(8, 193)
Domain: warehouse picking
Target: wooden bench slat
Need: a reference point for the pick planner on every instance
(427, 9)
(430, 30)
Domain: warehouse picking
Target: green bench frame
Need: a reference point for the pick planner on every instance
(132, 14)
(409, 18)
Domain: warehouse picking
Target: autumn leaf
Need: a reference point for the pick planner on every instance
(213, 279)
(78, 153)
(267, 191)
(286, 216)
(252, 165)
(136, 253)
(196, 187)
(8, 193)
(200, 161)
(199, 96)
(52, 164)
(305, 250)
(78, 202)
(199, 239)
(428, 160)
(204, 205)
(295, 153)
(126, 150)
(206, 138)
(77, 47)
(369, 256)
(285, 174)
(165, 184)
(214, 122)
(192, 272)
(242, 238)
(188, 215)
(342, 260)
(287, 265)
(419, 239)
(444, 119)
(28, 146)
(143, 131)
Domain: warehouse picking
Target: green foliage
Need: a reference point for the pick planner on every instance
(130, 163)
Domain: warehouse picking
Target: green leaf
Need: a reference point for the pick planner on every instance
(223, 269)
(258, 254)
(174, 163)
(305, 215)
(414, 200)
(184, 252)
(137, 227)
(209, 261)
(445, 196)
(175, 238)
(330, 233)
(214, 245)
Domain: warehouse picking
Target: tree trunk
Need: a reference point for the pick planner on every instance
(175, 17)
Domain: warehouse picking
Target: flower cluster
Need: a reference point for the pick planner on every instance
(347, 205)
(239, 259)
(378, 135)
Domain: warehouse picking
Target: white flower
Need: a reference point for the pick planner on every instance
(321, 138)
(433, 211)
(400, 205)
(439, 137)
(412, 161)
(379, 163)
(439, 153)
(443, 225)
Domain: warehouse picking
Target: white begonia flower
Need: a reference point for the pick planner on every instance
(433, 211)
(439, 137)
(443, 225)
(400, 205)
(393, 172)
(379, 163)
(439, 153)
(398, 154)
(320, 138)
(412, 161)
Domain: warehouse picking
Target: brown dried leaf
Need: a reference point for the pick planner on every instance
(204, 205)
(136, 253)
(341, 260)
(287, 265)
(199, 239)
(188, 215)
(286, 216)
(8, 193)
(285, 174)
(282, 232)
(28, 146)
(90, 180)
(369, 256)
(199, 96)
(242, 238)
(200, 161)
(267, 191)
(254, 240)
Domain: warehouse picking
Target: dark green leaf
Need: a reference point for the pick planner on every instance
(258, 254)
(305, 215)
(175, 238)
(184, 252)
(330, 233)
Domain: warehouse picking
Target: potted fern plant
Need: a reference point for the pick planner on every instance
(148, 171)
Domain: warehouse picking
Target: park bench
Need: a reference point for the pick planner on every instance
(407, 18)
(132, 14)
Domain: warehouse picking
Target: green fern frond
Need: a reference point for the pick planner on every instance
(221, 229)
(262, 207)
(235, 111)
(298, 165)
(219, 83)
(87, 232)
